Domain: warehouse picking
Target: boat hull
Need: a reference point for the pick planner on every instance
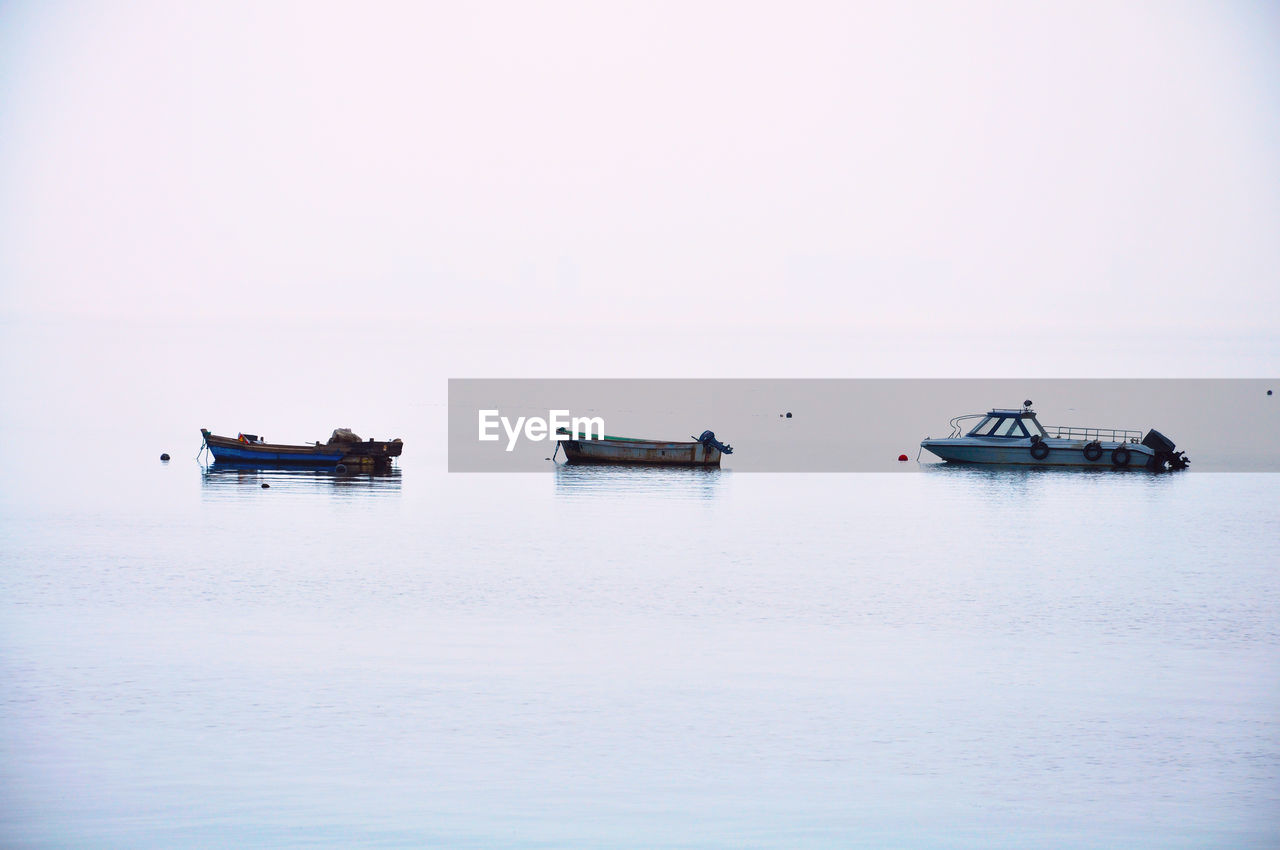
(1018, 453)
(651, 453)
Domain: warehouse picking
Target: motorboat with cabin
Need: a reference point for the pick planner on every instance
(1016, 437)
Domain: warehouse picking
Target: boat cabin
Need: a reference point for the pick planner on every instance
(1009, 423)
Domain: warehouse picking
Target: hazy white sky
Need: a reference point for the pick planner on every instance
(1072, 165)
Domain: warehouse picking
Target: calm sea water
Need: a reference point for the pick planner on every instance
(591, 657)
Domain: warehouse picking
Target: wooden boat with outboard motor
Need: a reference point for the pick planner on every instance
(344, 450)
(1016, 437)
(705, 450)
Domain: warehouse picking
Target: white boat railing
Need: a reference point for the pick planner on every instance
(1111, 435)
(957, 428)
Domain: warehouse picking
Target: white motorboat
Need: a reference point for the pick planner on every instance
(1016, 437)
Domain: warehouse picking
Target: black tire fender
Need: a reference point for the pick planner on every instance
(1039, 450)
(1092, 452)
(1121, 456)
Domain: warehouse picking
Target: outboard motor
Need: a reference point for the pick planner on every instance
(708, 439)
(1166, 456)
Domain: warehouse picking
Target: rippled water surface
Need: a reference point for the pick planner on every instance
(603, 657)
(594, 657)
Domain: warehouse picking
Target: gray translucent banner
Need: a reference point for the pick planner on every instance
(861, 425)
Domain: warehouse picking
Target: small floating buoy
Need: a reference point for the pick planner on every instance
(788, 414)
(265, 486)
(1268, 392)
(164, 456)
(903, 457)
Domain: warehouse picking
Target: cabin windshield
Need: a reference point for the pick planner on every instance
(982, 427)
(1007, 426)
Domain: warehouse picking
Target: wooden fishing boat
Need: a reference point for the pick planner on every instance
(582, 448)
(344, 449)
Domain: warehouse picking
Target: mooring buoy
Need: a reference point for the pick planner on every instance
(164, 456)
(266, 486)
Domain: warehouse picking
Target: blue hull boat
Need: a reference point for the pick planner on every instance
(248, 448)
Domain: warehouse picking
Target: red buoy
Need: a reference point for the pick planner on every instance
(903, 457)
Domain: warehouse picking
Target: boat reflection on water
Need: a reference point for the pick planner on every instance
(1022, 489)
(238, 477)
(997, 473)
(667, 482)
